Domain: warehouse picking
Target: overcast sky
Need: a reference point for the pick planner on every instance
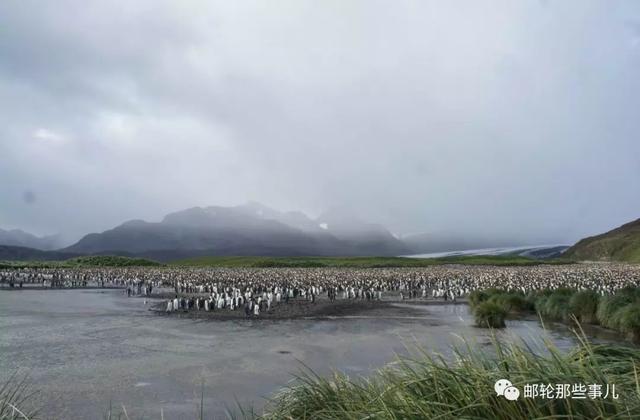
(506, 118)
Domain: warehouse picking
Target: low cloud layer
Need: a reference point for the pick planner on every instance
(501, 119)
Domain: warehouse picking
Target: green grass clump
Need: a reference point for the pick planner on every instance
(490, 315)
(584, 305)
(512, 302)
(629, 322)
(485, 303)
(461, 387)
(555, 305)
(619, 312)
(478, 296)
(610, 307)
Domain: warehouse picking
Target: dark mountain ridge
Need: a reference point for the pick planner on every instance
(20, 253)
(251, 229)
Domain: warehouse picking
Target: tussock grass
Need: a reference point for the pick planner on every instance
(630, 321)
(619, 312)
(555, 305)
(17, 399)
(478, 296)
(435, 387)
(513, 302)
(492, 306)
(490, 315)
(584, 305)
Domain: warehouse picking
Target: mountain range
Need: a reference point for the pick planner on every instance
(20, 253)
(250, 229)
(255, 229)
(20, 238)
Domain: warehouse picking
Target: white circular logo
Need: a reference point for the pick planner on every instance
(501, 385)
(512, 393)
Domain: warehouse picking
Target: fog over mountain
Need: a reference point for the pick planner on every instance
(251, 229)
(17, 237)
(514, 122)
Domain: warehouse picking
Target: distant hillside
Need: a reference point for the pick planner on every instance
(20, 253)
(621, 244)
(251, 229)
(17, 237)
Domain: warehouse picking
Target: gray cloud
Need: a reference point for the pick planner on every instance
(514, 119)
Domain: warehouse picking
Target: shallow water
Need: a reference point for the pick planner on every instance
(85, 350)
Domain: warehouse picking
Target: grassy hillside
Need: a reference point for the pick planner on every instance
(355, 262)
(621, 244)
(80, 262)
